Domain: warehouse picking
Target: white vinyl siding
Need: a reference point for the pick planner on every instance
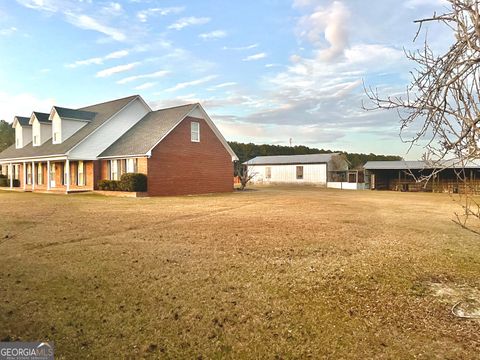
(62, 129)
(195, 131)
(312, 174)
(110, 131)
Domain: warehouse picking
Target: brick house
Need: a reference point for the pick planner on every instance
(179, 149)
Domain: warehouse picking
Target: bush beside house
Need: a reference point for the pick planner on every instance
(5, 181)
(131, 182)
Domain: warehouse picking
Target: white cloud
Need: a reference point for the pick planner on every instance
(88, 23)
(143, 15)
(217, 34)
(189, 21)
(99, 60)
(255, 57)
(156, 74)
(144, 86)
(43, 5)
(328, 24)
(225, 84)
(22, 105)
(113, 8)
(8, 31)
(116, 69)
(187, 84)
(239, 48)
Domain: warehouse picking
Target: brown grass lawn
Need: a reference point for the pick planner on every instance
(271, 273)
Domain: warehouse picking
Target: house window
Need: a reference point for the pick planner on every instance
(52, 174)
(65, 175)
(131, 165)
(56, 137)
(268, 172)
(40, 174)
(29, 174)
(113, 169)
(16, 172)
(18, 142)
(80, 174)
(195, 131)
(299, 172)
(35, 140)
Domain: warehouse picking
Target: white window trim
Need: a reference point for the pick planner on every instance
(197, 131)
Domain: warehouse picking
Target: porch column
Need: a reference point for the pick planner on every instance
(24, 176)
(48, 174)
(11, 175)
(33, 175)
(67, 173)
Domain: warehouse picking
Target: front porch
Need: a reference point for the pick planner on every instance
(49, 176)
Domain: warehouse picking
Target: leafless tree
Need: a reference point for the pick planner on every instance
(245, 176)
(441, 105)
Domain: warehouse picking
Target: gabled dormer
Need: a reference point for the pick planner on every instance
(41, 128)
(23, 131)
(66, 122)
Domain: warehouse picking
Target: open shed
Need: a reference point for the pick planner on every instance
(447, 176)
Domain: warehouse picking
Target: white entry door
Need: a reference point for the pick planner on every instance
(52, 175)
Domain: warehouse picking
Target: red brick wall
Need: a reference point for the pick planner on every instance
(179, 166)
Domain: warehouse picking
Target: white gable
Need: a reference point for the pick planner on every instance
(110, 131)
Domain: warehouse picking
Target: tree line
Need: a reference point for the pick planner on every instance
(244, 151)
(248, 151)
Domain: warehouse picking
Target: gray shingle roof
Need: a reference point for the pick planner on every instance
(291, 159)
(74, 114)
(418, 165)
(24, 121)
(146, 133)
(42, 117)
(103, 112)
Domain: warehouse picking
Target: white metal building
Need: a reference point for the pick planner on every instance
(318, 169)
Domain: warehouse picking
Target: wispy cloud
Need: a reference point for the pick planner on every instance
(144, 86)
(43, 5)
(116, 69)
(239, 48)
(153, 75)
(8, 31)
(88, 23)
(189, 21)
(222, 85)
(99, 60)
(255, 57)
(143, 15)
(187, 84)
(217, 34)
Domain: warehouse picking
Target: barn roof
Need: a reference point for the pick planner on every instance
(419, 165)
(291, 159)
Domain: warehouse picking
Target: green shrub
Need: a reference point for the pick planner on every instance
(4, 182)
(3, 176)
(133, 182)
(109, 185)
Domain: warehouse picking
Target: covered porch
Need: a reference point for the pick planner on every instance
(55, 175)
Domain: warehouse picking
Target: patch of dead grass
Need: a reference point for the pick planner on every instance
(272, 273)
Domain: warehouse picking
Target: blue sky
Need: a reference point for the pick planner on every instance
(265, 70)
